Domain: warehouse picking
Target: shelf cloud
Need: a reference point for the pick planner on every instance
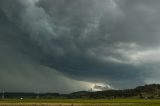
(46, 44)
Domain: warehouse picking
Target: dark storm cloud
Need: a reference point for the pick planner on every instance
(110, 41)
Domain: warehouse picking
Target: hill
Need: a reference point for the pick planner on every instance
(147, 91)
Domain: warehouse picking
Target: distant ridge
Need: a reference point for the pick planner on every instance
(147, 92)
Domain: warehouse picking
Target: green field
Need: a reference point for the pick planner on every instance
(79, 102)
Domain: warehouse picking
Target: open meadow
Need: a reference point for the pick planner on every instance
(79, 102)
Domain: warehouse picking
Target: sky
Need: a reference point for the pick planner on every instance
(72, 45)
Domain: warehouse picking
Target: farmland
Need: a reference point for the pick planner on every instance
(148, 95)
(79, 102)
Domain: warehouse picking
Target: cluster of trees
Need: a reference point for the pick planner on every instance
(31, 95)
(147, 91)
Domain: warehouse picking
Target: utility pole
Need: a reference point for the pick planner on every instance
(3, 96)
(37, 95)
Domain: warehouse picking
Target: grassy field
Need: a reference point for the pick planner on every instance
(79, 102)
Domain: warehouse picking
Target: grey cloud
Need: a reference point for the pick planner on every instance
(106, 41)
